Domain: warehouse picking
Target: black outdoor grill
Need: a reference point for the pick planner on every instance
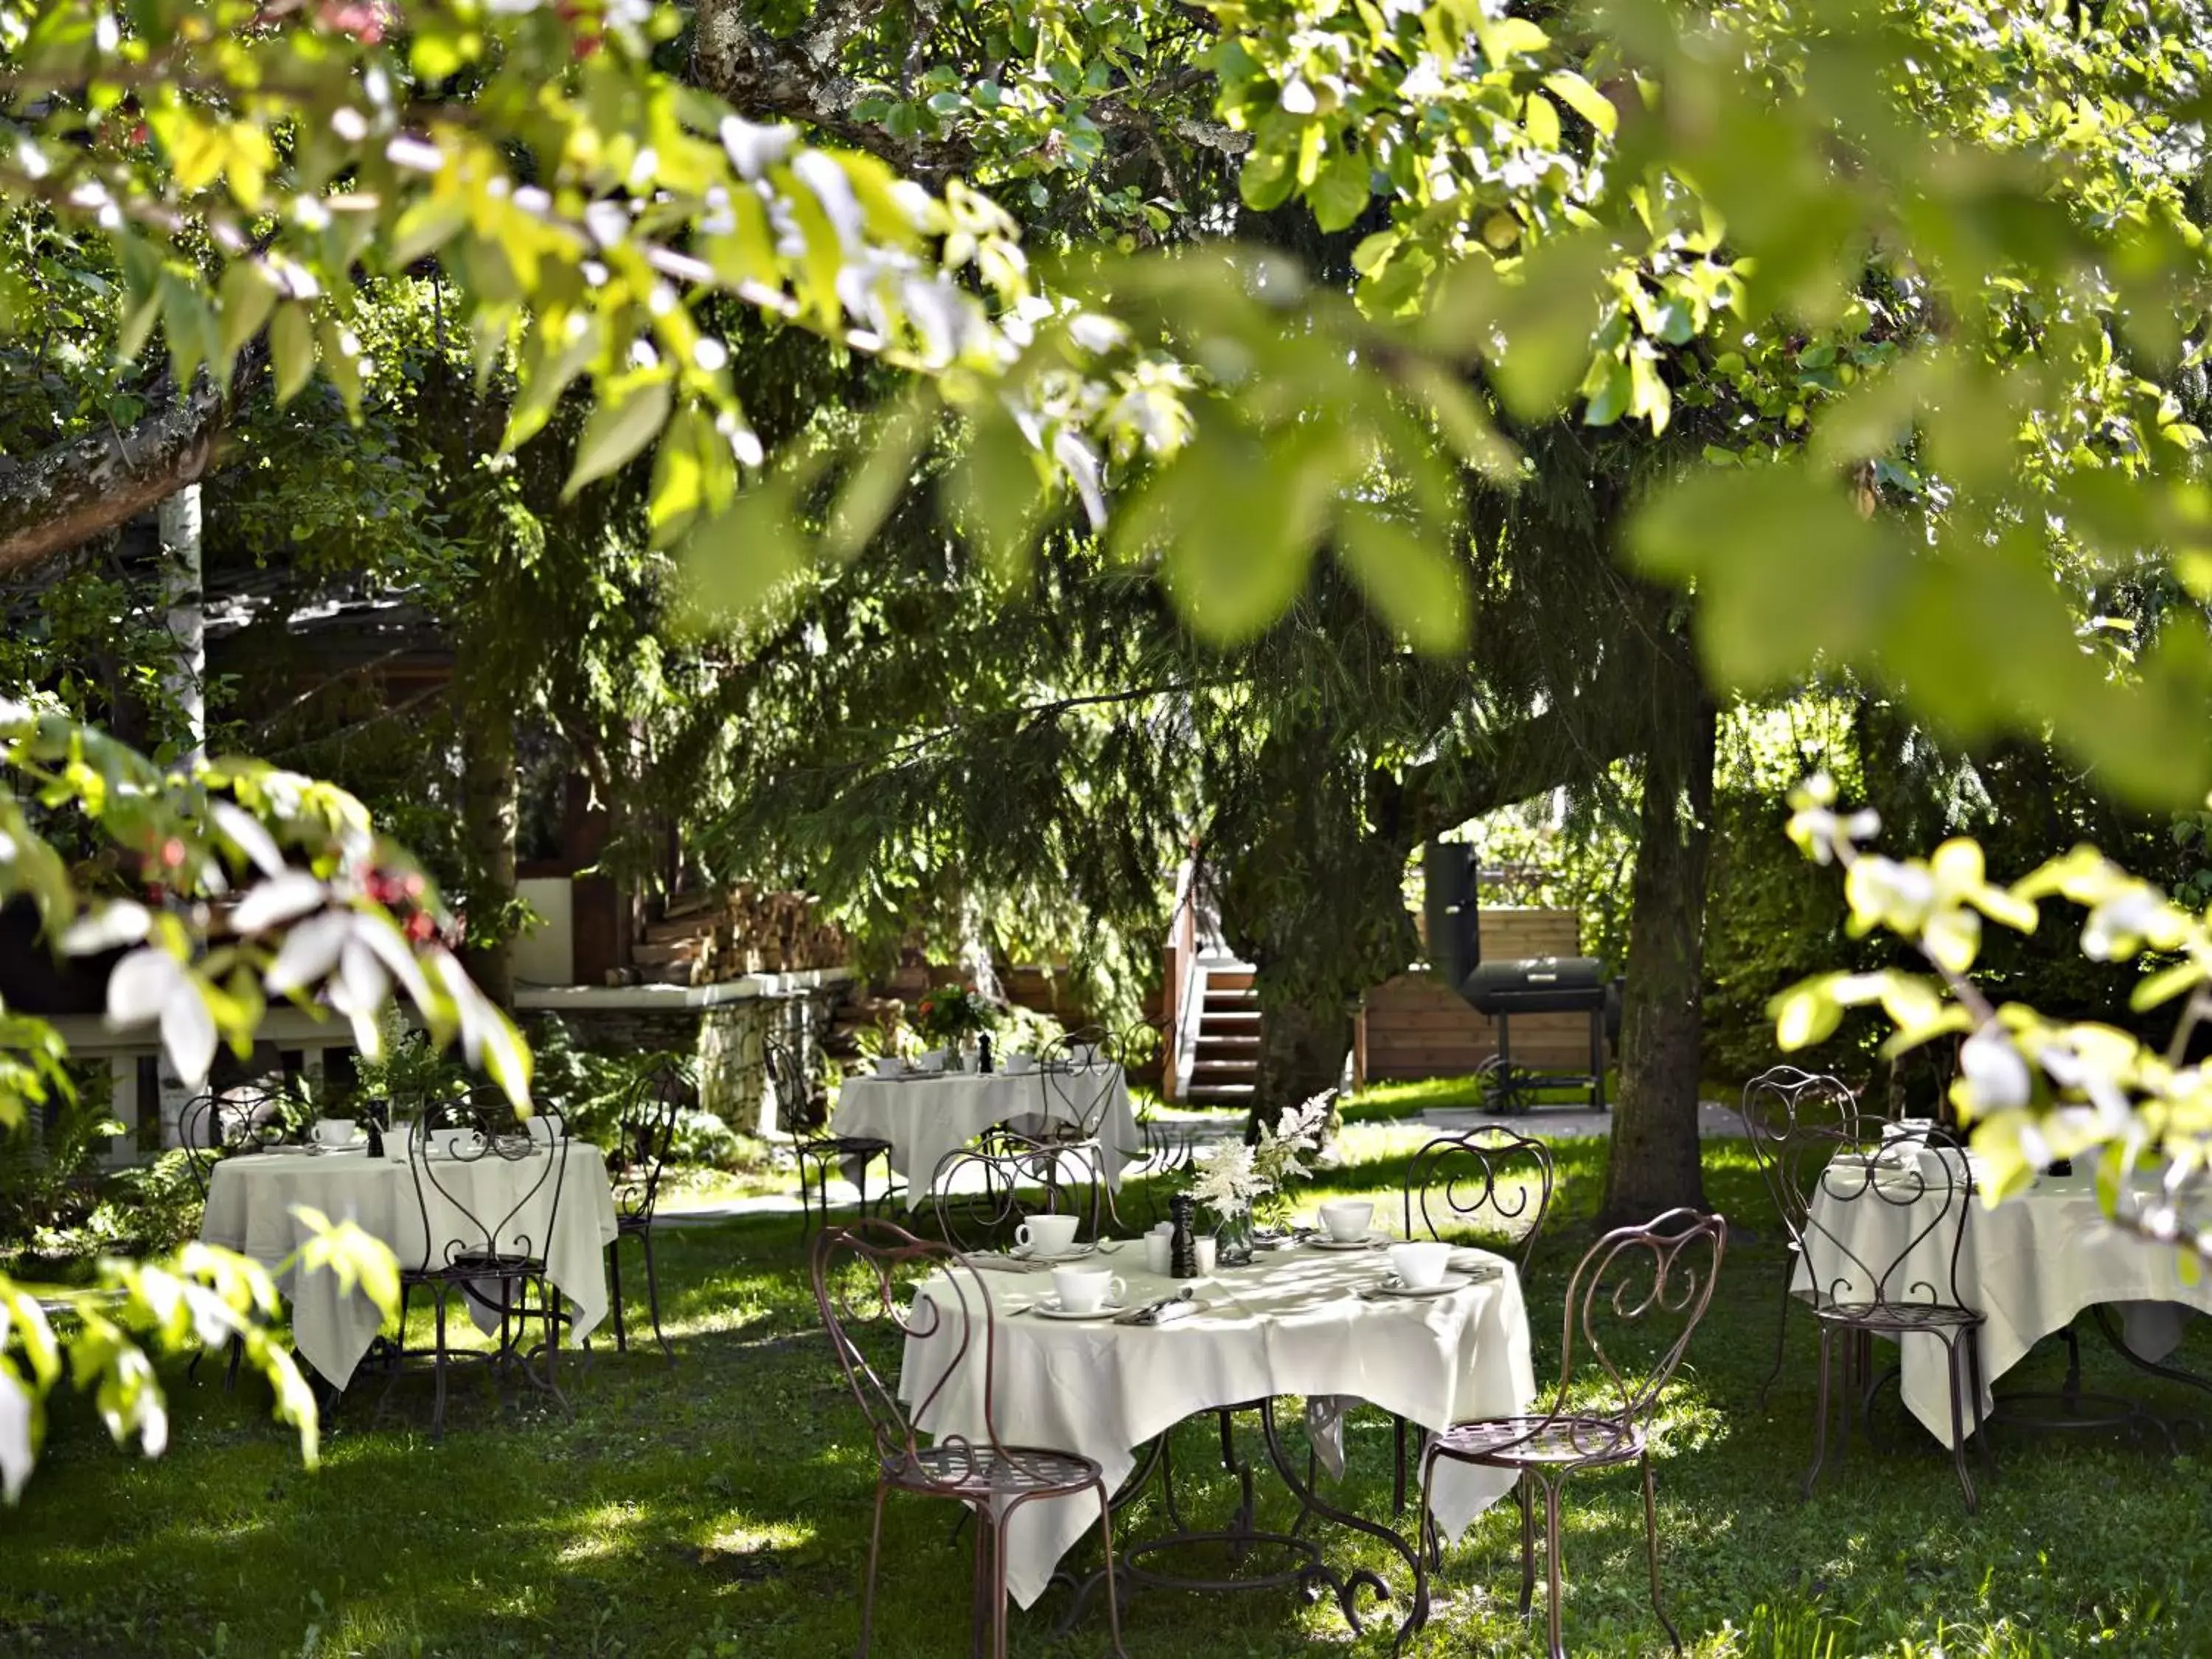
(1536, 985)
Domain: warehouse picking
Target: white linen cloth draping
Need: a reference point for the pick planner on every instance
(2028, 1266)
(1290, 1323)
(926, 1117)
(250, 1209)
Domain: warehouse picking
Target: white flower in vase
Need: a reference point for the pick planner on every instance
(1228, 1179)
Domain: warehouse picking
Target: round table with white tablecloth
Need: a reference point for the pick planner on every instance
(2029, 1265)
(253, 1201)
(1293, 1322)
(924, 1118)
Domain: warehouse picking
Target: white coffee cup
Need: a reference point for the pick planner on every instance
(333, 1132)
(1159, 1253)
(888, 1065)
(1421, 1267)
(1086, 1290)
(1347, 1218)
(1046, 1235)
(1019, 1064)
(456, 1143)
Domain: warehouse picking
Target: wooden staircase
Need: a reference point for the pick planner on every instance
(1225, 1058)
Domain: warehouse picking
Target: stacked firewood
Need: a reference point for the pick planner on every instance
(705, 938)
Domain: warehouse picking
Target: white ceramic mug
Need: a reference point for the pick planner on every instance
(1347, 1218)
(1421, 1267)
(1019, 1064)
(1046, 1235)
(333, 1132)
(888, 1065)
(1086, 1290)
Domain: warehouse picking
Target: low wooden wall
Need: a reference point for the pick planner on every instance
(1414, 1026)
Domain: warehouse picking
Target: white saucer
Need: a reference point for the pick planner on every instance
(1477, 1265)
(1048, 1307)
(1031, 1252)
(1372, 1241)
(1444, 1286)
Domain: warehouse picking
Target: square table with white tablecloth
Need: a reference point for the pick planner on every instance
(1292, 1323)
(252, 1204)
(2029, 1266)
(924, 1118)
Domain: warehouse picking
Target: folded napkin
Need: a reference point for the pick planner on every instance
(1325, 1415)
(1002, 1264)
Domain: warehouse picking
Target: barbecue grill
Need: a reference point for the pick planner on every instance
(1538, 985)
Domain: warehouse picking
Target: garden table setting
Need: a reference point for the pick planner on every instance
(926, 1114)
(1101, 1352)
(2030, 1265)
(254, 1204)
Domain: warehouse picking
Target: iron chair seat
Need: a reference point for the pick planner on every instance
(1515, 1442)
(1898, 1317)
(972, 1472)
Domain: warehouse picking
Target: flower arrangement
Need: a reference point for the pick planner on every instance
(1236, 1176)
(950, 1012)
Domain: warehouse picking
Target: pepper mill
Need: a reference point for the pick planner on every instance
(376, 1111)
(1182, 1242)
(983, 1050)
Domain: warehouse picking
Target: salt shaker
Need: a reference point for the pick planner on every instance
(1182, 1242)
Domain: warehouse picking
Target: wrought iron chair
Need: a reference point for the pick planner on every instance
(1905, 1284)
(488, 1245)
(644, 1135)
(861, 1278)
(1454, 1186)
(1078, 1074)
(1632, 1305)
(974, 1192)
(1777, 1104)
(213, 1126)
(798, 1104)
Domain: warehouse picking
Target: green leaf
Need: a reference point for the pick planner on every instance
(1339, 194)
(1585, 100)
(1616, 388)
(1411, 582)
(244, 301)
(630, 414)
(1266, 181)
(292, 349)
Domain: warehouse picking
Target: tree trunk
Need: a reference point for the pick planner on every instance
(488, 818)
(1303, 1044)
(1654, 1163)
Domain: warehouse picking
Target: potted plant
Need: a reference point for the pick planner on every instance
(952, 1016)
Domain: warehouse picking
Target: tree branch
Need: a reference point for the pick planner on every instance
(63, 496)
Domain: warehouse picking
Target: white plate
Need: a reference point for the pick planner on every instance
(1031, 1252)
(1477, 1265)
(1444, 1286)
(1048, 1307)
(1372, 1241)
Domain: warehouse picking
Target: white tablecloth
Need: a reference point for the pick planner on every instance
(1289, 1324)
(250, 1210)
(925, 1118)
(2030, 1265)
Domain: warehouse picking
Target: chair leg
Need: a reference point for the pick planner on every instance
(1106, 1543)
(230, 1371)
(438, 1369)
(1954, 1376)
(1553, 1569)
(615, 1295)
(998, 1620)
(1651, 1548)
(1982, 1439)
(1398, 1466)
(868, 1584)
(1524, 1492)
(653, 1294)
(1781, 1335)
(1819, 1417)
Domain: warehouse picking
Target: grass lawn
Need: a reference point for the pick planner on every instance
(721, 1508)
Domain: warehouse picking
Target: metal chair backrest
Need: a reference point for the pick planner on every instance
(1783, 1110)
(1634, 1301)
(1079, 1070)
(861, 1276)
(210, 1127)
(974, 1192)
(450, 1143)
(645, 1135)
(1467, 1183)
(1880, 1235)
(798, 1097)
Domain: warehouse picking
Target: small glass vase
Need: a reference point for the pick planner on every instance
(1233, 1238)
